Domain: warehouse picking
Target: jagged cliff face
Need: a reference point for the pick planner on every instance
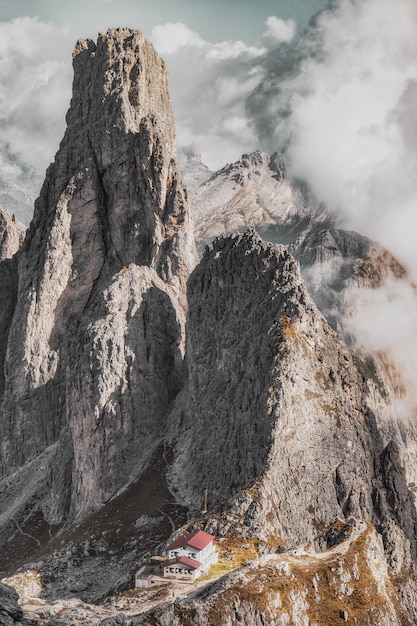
(95, 346)
(11, 236)
(343, 272)
(272, 413)
(279, 392)
(252, 192)
(342, 269)
(285, 401)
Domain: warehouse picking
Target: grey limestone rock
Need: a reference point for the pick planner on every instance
(252, 192)
(275, 416)
(10, 611)
(11, 235)
(95, 345)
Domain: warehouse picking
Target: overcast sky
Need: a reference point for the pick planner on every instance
(36, 42)
(338, 94)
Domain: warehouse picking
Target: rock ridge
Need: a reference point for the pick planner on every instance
(285, 400)
(96, 340)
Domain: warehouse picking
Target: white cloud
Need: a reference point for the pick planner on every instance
(209, 83)
(341, 100)
(385, 322)
(343, 106)
(279, 30)
(170, 37)
(35, 86)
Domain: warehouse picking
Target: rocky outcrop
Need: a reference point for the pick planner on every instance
(10, 611)
(284, 400)
(348, 583)
(252, 192)
(98, 331)
(11, 237)
(336, 262)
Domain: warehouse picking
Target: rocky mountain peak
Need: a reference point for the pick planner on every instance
(98, 326)
(114, 423)
(120, 80)
(251, 164)
(284, 403)
(11, 235)
(252, 192)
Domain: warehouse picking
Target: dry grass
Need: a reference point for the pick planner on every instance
(270, 590)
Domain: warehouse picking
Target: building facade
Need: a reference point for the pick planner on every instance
(190, 556)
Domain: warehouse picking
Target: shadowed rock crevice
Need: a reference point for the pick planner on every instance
(97, 336)
(284, 400)
(8, 289)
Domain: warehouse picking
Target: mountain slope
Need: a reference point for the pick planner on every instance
(253, 192)
(95, 345)
(110, 437)
(347, 583)
(274, 420)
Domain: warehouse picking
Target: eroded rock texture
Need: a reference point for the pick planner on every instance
(348, 583)
(284, 400)
(10, 611)
(11, 236)
(252, 192)
(98, 331)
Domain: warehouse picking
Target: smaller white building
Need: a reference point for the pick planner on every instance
(145, 578)
(190, 556)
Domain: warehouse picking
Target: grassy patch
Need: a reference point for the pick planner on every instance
(285, 334)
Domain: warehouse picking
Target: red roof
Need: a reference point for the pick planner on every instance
(183, 560)
(198, 540)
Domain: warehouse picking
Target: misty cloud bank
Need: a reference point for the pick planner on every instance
(342, 104)
(339, 98)
(35, 80)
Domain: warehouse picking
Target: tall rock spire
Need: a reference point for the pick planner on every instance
(97, 334)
